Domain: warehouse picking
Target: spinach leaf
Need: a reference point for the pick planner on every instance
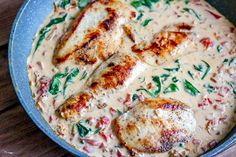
(119, 112)
(84, 75)
(209, 88)
(73, 74)
(147, 91)
(43, 32)
(69, 79)
(56, 82)
(201, 68)
(63, 3)
(168, 1)
(174, 69)
(231, 84)
(134, 97)
(207, 70)
(83, 3)
(219, 48)
(148, 3)
(232, 61)
(189, 88)
(83, 131)
(146, 22)
(225, 60)
(175, 80)
(191, 11)
(97, 130)
(42, 36)
(198, 67)
(56, 21)
(164, 77)
(171, 88)
(186, 2)
(190, 74)
(157, 81)
(140, 15)
(155, 1)
(136, 4)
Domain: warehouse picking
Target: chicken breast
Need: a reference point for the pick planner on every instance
(167, 45)
(154, 126)
(114, 74)
(74, 105)
(96, 34)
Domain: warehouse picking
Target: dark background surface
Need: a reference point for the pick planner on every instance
(226, 7)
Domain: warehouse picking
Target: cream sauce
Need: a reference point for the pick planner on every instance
(214, 110)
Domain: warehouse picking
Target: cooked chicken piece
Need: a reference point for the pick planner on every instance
(117, 72)
(163, 48)
(166, 45)
(114, 74)
(128, 31)
(96, 34)
(154, 126)
(179, 27)
(74, 105)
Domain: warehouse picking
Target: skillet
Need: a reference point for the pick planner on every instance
(27, 22)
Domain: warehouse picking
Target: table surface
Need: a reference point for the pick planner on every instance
(19, 136)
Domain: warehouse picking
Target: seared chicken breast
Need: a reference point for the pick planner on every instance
(114, 74)
(154, 126)
(166, 45)
(73, 105)
(117, 72)
(96, 33)
(161, 49)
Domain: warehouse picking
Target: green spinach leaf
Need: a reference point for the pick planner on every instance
(83, 3)
(83, 131)
(56, 82)
(63, 3)
(83, 75)
(171, 88)
(146, 22)
(189, 88)
(191, 11)
(174, 69)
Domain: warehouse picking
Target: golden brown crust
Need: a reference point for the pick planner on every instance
(74, 105)
(75, 25)
(163, 44)
(141, 131)
(94, 44)
(115, 75)
(129, 33)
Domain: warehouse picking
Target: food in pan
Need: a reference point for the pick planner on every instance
(136, 77)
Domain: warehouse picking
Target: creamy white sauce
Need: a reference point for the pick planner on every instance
(214, 119)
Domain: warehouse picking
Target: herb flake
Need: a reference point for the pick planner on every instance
(191, 11)
(83, 131)
(171, 88)
(189, 88)
(174, 69)
(84, 75)
(146, 22)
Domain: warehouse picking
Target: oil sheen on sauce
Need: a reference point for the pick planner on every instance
(209, 65)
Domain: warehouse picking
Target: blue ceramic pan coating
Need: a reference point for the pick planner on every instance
(27, 22)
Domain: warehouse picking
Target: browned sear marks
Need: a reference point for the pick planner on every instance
(74, 105)
(155, 125)
(163, 44)
(115, 75)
